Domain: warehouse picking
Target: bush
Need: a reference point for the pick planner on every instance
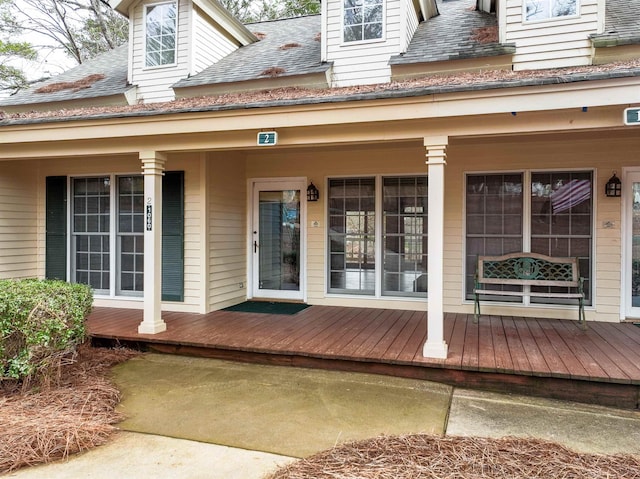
(41, 323)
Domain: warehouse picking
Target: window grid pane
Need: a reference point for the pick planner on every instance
(405, 236)
(561, 217)
(161, 34)
(561, 222)
(90, 232)
(494, 223)
(131, 234)
(362, 20)
(352, 235)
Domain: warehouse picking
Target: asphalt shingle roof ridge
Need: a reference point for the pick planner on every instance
(298, 96)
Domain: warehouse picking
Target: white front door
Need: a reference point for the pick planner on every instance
(277, 239)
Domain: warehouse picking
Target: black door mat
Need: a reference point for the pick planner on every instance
(267, 307)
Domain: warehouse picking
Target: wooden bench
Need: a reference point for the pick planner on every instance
(529, 269)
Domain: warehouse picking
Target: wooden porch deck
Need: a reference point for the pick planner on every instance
(544, 357)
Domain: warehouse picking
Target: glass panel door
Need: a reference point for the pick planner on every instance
(633, 248)
(277, 241)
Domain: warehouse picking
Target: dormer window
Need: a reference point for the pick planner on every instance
(362, 20)
(160, 34)
(546, 9)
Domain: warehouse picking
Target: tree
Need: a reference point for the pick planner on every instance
(80, 28)
(83, 29)
(248, 11)
(11, 77)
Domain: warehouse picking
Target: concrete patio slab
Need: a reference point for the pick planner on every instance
(282, 410)
(580, 427)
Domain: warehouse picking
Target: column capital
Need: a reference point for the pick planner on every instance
(152, 155)
(153, 162)
(440, 141)
(436, 147)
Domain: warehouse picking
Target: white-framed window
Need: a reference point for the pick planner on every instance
(547, 212)
(377, 236)
(535, 10)
(161, 31)
(94, 233)
(362, 20)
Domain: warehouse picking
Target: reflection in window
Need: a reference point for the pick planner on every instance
(90, 232)
(131, 233)
(543, 9)
(560, 223)
(161, 27)
(405, 235)
(561, 220)
(362, 20)
(352, 235)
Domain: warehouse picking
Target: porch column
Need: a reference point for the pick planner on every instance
(153, 170)
(436, 347)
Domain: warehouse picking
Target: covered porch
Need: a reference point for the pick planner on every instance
(537, 356)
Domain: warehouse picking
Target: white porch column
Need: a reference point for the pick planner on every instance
(153, 170)
(436, 347)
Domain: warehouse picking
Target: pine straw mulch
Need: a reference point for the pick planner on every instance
(77, 414)
(435, 457)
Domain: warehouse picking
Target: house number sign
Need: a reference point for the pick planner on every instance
(149, 215)
(632, 116)
(267, 138)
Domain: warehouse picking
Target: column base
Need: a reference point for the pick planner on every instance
(435, 350)
(149, 327)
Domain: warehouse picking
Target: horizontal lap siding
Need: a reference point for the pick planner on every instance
(317, 167)
(553, 43)
(227, 253)
(362, 63)
(601, 154)
(209, 45)
(193, 218)
(411, 22)
(18, 220)
(154, 84)
(194, 215)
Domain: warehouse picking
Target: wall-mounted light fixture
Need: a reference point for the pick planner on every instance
(312, 192)
(613, 188)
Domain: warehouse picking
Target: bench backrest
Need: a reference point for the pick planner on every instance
(528, 269)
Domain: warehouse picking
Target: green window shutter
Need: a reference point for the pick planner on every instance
(173, 236)
(56, 228)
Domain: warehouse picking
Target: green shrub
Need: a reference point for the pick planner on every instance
(41, 323)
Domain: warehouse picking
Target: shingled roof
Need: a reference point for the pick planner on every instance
(103, 76)
(621, 24)
(291, 47)
(459, 32)
(286, 48)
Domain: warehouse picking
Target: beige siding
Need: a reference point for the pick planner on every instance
(194, 250)
(531, 154)
(227, 198)
(317, 167)
(18, 220)
(154, 83)
(209, 45)
(600, 155)
(363, 63)
(552, 43)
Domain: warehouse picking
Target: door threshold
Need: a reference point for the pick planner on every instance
(277, 300)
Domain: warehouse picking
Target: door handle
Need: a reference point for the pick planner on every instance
(255, 246)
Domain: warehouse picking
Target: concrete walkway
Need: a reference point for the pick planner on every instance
(193, 417)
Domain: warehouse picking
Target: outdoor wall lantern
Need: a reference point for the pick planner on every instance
(312, 192)
(613, 188)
